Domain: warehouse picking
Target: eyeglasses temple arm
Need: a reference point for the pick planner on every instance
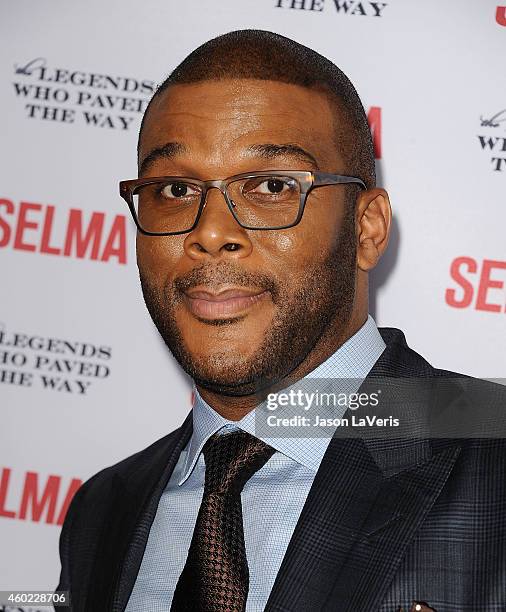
(324, 178)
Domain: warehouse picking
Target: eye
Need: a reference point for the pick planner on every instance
(272, 186)
(179, 190)
(278, 187)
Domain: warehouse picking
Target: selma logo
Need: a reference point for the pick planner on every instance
(343, 7)
(40, 499)
(30, 226)
(374, 121)
(492, 142)
(480, 285)
(500, 15)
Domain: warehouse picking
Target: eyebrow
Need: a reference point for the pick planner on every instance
(267, 151)
(272, 151)
(167, 151)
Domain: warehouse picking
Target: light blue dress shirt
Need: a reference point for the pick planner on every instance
(272, 499)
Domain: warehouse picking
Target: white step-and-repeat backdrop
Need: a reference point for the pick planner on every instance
(84, 377)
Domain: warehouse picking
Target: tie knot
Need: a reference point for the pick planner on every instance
(231, 460)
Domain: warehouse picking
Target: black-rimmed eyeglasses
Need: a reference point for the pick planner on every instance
(267, 200)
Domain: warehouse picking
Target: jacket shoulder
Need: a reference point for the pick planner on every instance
(99, 483)
(110, 490)
(402, 360)
(477, 407)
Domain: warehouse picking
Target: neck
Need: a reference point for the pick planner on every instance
(235, 408)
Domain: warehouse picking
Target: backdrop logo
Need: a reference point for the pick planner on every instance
(493, 138)
(374, 121)
(478, 285)
(36, 498)
(51, 364)
(342, 7)
(72, 96)
(33, 227)
(500, 15)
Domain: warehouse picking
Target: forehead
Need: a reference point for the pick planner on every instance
(230, 114)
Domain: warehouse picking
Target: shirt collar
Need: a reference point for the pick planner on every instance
(352, 360)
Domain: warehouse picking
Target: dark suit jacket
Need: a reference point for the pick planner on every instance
(385, 522)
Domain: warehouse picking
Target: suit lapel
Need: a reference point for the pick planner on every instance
(368, 500)
(132, 510)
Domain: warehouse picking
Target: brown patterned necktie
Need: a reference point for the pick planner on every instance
(215, 577)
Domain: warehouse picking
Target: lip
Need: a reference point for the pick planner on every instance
(226, 303)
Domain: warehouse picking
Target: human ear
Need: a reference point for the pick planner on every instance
(373, 219)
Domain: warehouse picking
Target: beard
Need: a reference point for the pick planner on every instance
(306, 307)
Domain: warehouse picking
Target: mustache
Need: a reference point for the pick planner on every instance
(225, 273)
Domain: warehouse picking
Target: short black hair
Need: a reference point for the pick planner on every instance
(259, 54)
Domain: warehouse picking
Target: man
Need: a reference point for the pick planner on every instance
(259, 220)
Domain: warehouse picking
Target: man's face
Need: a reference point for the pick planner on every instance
(240, 309)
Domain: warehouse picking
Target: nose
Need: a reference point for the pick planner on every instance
(217, 234)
